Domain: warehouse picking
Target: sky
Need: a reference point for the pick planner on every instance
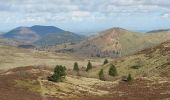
(86, 15)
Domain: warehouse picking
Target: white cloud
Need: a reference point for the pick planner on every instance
(80, 13)
(78, 10)
(166, 15)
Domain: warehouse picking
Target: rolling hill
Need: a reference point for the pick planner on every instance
(42, 35)
(116, 42)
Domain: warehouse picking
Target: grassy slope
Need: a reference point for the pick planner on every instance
(150, 60)
(4, 41)
(131, 42)
(15, 57)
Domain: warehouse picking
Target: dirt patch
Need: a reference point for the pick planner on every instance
(14, 86)
(139, 89)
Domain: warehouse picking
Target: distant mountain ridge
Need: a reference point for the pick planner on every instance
(160, 30)
(39, 33)
(113, 42)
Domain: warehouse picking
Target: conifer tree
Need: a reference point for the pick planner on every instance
(59, 74)
(76, 68)
(112, 70)
(101, 75)
(89, 66)
(105, 62)
(129, 78)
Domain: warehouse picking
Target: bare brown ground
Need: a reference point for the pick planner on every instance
(138, 89)
(9, 91)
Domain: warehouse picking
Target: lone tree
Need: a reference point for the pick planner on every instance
(89, 66)
(101, 75)
(105, 62)
(76, 68)
(112, 70)
(129, 78)
(59, 74)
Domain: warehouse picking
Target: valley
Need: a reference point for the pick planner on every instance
(85, 50)
(27, 70)
(12, 57)
(114, 64)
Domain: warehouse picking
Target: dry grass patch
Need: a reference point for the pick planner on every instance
(31, 85)
(76, 87)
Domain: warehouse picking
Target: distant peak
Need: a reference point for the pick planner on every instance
(21, 27)
(117, 28)
(41, 26)
(46, 27)
(156, 31)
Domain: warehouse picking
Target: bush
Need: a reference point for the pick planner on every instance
(59, 74)
(89, 66)
(76, 68)
(112, 70)
(137, 66)
(105, 62)
(129, 78)
(101, 75)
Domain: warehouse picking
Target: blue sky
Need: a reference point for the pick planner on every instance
(86, 15)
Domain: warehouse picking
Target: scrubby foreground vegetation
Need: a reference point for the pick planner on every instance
(143, 76)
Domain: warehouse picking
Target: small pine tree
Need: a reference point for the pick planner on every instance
(105, 62)
(129, 78)
(89, 66)
(101, 75)
(76, 68)
(112, 70)
(59, 74)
